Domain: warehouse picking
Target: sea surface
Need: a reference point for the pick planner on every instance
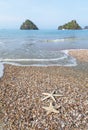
(41, 47)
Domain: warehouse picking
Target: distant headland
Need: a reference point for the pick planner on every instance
(28, 25)
(72, 25)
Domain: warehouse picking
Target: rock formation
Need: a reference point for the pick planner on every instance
(72, 25)
(28, 25)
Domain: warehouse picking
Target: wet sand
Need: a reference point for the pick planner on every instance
(21, 88)
(81, 55)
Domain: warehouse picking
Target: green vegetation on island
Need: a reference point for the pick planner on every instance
(72, 25)
(28, 25)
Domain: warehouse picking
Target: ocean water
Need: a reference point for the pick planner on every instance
(41, 47)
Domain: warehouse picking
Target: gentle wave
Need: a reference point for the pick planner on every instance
(56, 40)
(61, 61)
(72, 62)
(18, 60)
(62, 39)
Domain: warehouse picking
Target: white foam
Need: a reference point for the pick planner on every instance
(13, 62)
(61, 39)
(65, 51)
(72, 64)
(20, 60)
(56, 40)
(1, 69)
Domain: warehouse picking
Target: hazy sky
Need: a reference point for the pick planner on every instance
(45, 14)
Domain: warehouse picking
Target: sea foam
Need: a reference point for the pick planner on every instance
(53, 62)
(18, 60)
(1, 69)
(56, 40)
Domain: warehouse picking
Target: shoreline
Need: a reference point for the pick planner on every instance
(75, 53)
(21, 93)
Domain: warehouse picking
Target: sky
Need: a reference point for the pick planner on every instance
(46, 14)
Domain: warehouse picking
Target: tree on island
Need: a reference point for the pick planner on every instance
(28, 25)
(72, 25)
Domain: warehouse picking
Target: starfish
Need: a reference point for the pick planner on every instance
(50, 109)
(52, 95)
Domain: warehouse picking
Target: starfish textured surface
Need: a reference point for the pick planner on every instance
(50, 109)
(51, 95)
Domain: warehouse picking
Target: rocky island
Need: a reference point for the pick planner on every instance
(28, 25)
(86, 27)
(72, 25)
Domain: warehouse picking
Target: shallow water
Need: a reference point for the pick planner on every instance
(41, 47)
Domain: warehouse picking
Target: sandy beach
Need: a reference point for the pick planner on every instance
(21, 96)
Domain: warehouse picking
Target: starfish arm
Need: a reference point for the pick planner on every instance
(51, 104)
(53, 98)
(46, 108)
(48, 112)
(46, 94)
(53, 92)
(57, 95)
(55, 111)
(45, 98)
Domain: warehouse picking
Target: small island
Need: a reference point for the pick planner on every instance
(72, 25)
(28, 25)
(86, 27)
